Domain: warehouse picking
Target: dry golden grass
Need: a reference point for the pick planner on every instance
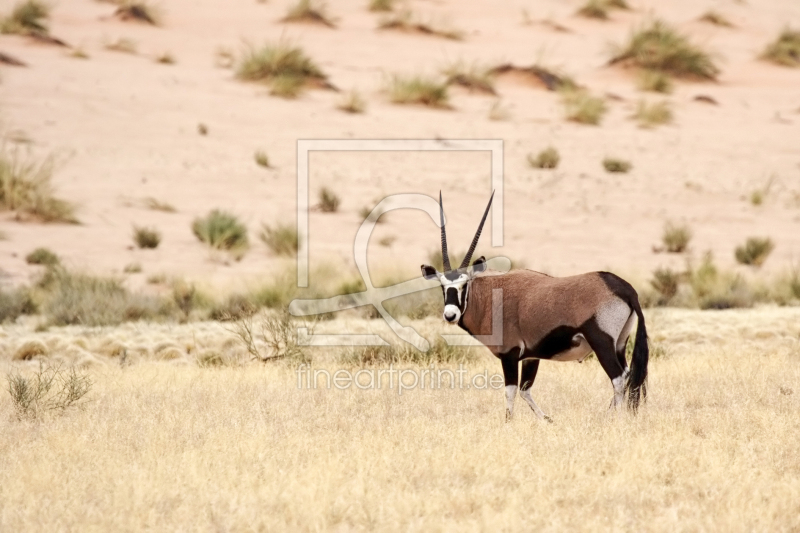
(163, 442)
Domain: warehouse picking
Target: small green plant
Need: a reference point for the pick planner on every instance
(312, 11)
(660, 47)
(50, 389)
(381, 5)
(785, 50)
(123, 44)
(27, 18)
(418, 90)
(146, 237)
(582, 107)
(410, 22)
(42, 256)
(165, 59)
(328, 201)
(282, 66)
(715, 18)
(655, 114)
(472, 77)
(613, 164)
(261, 159)
(282, 239)
(221, 230)
(676, 237)
(754, 251)
(352, 102)
(655, 81)
(138, 10)
(547, 158)
(132, 268)
(757, 197)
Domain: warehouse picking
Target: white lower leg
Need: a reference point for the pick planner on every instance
(619, 383)
(526, 395)
(511, 393)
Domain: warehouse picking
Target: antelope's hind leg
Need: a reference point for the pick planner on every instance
(604, 348)
(529, 369)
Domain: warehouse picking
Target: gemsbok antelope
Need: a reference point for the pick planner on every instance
(545, 317)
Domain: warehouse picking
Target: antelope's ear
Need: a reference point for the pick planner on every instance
(428, 272)
(479, 265)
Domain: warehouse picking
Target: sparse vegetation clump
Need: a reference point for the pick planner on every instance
(666, 282)
(595, 9)
(145, 237)
(42, 256)
(132, 268)
(715, 18)
(655, 114)
(272, 338)
(140, 11)
(439, 353)
(352, 102)
(221, 230)
(785, 50)
(408, 21)
(655, 81)
(15, 303)
(582, 107)
(472, 77)
(26, 187)
(418, 90)
(49, 389)
(261, 158)
(123, 44)
(676, 237)
(165, 59)
(328, 200)
(282, 239)
(546, 159)
(381, 5)
(661, 48)
(313, 11)
(754, 251)
(158, 205)
(616, 165)
(366, 213)
(285, 68)
(28, 17)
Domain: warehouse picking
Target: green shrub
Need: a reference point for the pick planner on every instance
(785, 50)
(261, 158)
(547, 158)
(312, 11)
(146, 237)
(282, 239)
(655, 81)
(612, 164)
(582, 107)
(754, 251)
(42, 256)
(284, 67)
(328, 201)
(650, 115)
(418, 90)
(676, 237)
(27, 17)
(222, 231)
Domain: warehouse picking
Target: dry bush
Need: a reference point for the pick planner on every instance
(613, 164)
(79, 53)
(28, 17)
(439, 353)
(202, 129)
(158, 205)
(655, 81)
(660, 47)
(408, 21)
(234, 307)
(165, 59)
(313, 11)
(472, 77)
(329, 201)
(282, 239)
(140, 11)
(715, 18)
(42, 256)
(284, 67)
(221, 230)
(754, 251)
(15, 303)
(352, 102)
(676, 237)
(366, 213)
(595, 9)
(418, 90)
(665, 281)
(50, 389)
(123, 44)
(547, 158)
(261, 158)
(145, 237)
(132, 268)
(272, 338)
(582, 107)
(379, 6)
(785, 50)
(653, 114)
(26, 187)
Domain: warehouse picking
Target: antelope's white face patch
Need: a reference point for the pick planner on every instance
(454, 301)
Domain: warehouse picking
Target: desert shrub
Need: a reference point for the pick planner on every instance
(27, 17)
(123, 44)
(157, 205)
(282, 239)
(26, 187)
(138, 10)
(417, 305)
(715, 289)
(272, 337)
(235, 307)
(145, 237)
(715, 18)
(381, 5)
(650, 115)
(50, 389)
(352, 102)
(596, 9)
(665, 281)
(313, 11)
(187, 299)
(547, 158)
(552, 79)
(286, 68)
(655, 81)
(409, 21)
(472, 77)
(366, 213)
(582, 107)
(222, 231)
(132, 268)
(676, 237)
(754, 251)
(757, 197)
(42, 256)
(613, 164)
(785, 50)
(439, 353)
(165, 59)
(261, 158)
(15, 303)
(418, 90)
(202, 129)
(328, 200)
(660, 47)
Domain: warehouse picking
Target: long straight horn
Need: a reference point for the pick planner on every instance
(445, 258)
(468, 257)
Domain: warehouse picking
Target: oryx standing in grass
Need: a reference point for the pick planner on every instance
(544, 317)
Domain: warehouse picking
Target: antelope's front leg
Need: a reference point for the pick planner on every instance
(511, 373)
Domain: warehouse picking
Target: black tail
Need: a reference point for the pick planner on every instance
(637, 386)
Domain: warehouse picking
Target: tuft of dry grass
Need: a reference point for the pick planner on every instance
(123, 44)
(165, 59)
(595, 9)
(715, 18)
(661, 48)
(352, 102)
(653, 114)
(158, 205)
(42, 256)
(547, 158)
(581, 107)
(132, 268)
(417, 89)
(410, 22)
(785, 50)
(381, 6)
(145, 237)
(15, 303)
(139, 11)
(655, 81)
(221, 230)
(616, 165)
(676, 237)
(282, 239)
(472, 77)
(49, 389)
(329, 201)
(309, 11)
(754, 251)
(28, 17)
(261, 158)
(284, 67)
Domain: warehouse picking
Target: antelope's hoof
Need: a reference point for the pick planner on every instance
(548, 419)
(508, 416)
